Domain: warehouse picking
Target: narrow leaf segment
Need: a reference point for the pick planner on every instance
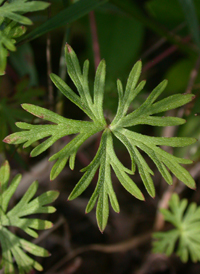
(105, 159)
(12, 246)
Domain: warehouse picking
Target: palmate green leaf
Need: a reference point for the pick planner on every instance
(14, 9)
(10, 15)
(186, 232)
(105, 159)
(7, 42)
(13, 247)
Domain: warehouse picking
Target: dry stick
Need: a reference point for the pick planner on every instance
(120, 247)
(45, 234)
(163, 203)
(95, 42)
(159, 221)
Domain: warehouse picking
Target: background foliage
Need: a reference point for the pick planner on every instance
(165, 36)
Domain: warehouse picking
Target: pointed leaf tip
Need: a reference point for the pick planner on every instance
(5, 140)
(193, 97)
(69, 48)
(165, 82)
(9, 140)
(193, 187)
(6, 163)
(25, 105)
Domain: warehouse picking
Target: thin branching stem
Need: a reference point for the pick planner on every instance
(161, 41)
(114, 248)
(95, 40)
(163, 55)
(135, 12)
(49, 68)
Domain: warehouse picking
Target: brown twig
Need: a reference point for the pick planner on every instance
(45, 234)
(159, 58)
(120, 247)
(163, 203)
(163, 55)
(161, 41)
(95, 41)
(49, 68)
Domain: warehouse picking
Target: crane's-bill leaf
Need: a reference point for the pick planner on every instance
(10, 15)
(13, 9)
(14, 247)
(105, 159)
(187, 224)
